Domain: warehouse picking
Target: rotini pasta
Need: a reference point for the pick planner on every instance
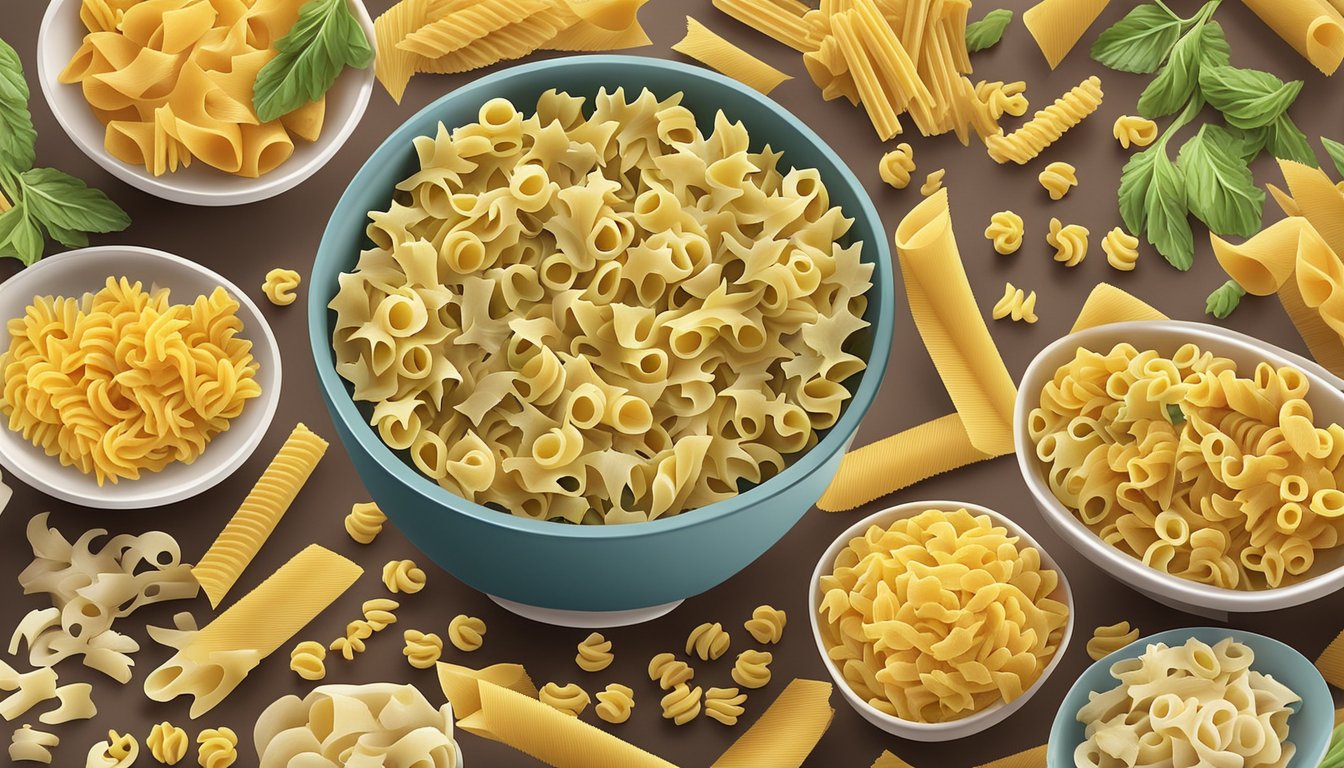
(933, 182)
(1110, 638)
(594, 653)
(681, 705)
(216, 748)
(280, 285)
(752, 669)
(615, 703)
(122, 381)
(167, 743)
(27, 744)
(403, 577)
(1016, 305)
(713, 51)
(766, 624)
(1133, 131)
(364, 522)
(116, 751)
(724, 705)
(896, 166)
(1121, 249)
(669, 671)
(1058, 178)
(1048, 125)
(467, 633)
(568, 698)
(1003, 98)
(1069, 242)
(422, 650)
(307, 660)
(708, 641)
(1006, 230)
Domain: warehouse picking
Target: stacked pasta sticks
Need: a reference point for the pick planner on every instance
(893, 57)
(450, 36)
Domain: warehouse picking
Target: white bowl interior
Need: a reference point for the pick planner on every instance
(77, 272)
(61, 35)
(1326, 575)
(973, 723)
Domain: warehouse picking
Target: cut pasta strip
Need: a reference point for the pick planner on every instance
(1312, 27)
(256, 519)
(788, 730)
(778, 19)
(713, 51)
(875, 101)
(1058, 25)
(1107, 304)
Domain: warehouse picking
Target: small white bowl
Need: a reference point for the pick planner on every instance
(77, 272)
(975, 722)
(1327, 403)
(60, 36)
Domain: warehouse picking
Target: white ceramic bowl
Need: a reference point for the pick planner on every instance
(978, 721)
(77, 272)
(1326, 576)
(61, 35)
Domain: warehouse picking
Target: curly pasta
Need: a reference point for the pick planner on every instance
(615, 703)
(364, 522)
(724, 705)
(752, 668)
(1003, 98)
(403, 577)
(1108, 639)
(896, 166)
(1121, 249)
(356, 632)
(167, 743)
(379, 613)
(1134, 131)
(933, 182)
(708, 641)
(1058, 178)
(280, 285)
(594, 653)
(1047, 125)
(669, 671)
(307, 660)
(217, 748)
(681, 705)
(422, 650)
(766, 624)
(122, 381)
(1019, 306)
(116, 751)
(467, 633)
(1069, 242)
(27, 744)
(1006, 230)
(568, 698)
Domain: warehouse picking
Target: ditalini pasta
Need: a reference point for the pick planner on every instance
(1121, 249)
(1005, 230)
(933, 182)
(1016, 305)
(364, 522)
(568, 698)
(724, 705)
(594, 653)
(875, 633)
(1313, 28)
(280, 285)
(172, 83)
(29, 745)
(167, 743)
(145, 383)
(260, 512)
(467, 633)
(786, 733)
(708, 641)
(752, 669)
(1108, 639)
(1193, 704)
(116, 751)
(681, 705)
(1057, 25)
(1048, 125)
(1069, 242)
(577, 397)
(216, 748)
(1191, 466)
(896, 166)
(766, 625)
(614, 703)
(706, 47)
(1058, 178)
(1133, 131)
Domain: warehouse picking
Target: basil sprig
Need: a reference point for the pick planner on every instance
(325, 40)
(987, 32)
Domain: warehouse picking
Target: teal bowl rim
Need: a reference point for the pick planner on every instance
(399, 141)
(1065, 718)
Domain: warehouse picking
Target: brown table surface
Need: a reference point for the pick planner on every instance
(244, 242)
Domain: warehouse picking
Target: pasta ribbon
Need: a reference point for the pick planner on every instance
(669, 671)
(422, 650)
(681, 705)
(217, 747)
(1069, 242)
(594, 653)
(280, 285)
(1016, 305)
(167, 743)
(1108, 639)
(1058, 178)
(766, 624)
(752, 668)
(1134, 131)
(1048, 125)
(306, 660)
(1121, 249)
(467, 633)
(788, 730)
(614, 703)
(1006, 231)
(718, 54)
(364, 522)
(569, 698)
(1058, 25)
(708, 641)
(896, 166)
(403, 577)
(724, 705)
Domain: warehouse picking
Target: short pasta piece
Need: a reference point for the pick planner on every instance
(422, 650)
(1003, 98)
(216, 748)
(752, 668)
(896, 166)
(307, 660)
(1121, 249)
(1016, 305)
(1134, 131)
(709, 49)
(594, 653)
(568, 698)
(1058, 178)
(1069, 242)
(467, 633)
(1048, 125)
(403, 577)
(708, 641)
(29, 745)
(724, 705)
(118, 750)
(28, 690)
(1006, 230)
(280, 285)
(167, 743)
(1108, 639)
(352, 642)
(380, 612)
(933, 182)
(75, 702)
(681, 705)
(615, 703)
(669, 671)
(364, 522)
(766, 625)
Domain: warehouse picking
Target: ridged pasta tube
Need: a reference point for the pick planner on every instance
(766, 624)
(1069, 242)
(118, 750)
(1134, 131)
(1058, 178)
(216, 748)
(594, 653)
(280, 285)
(708, 641)
(681, 705)
(402, 576)
(30, 745)
(1015, 304)
(1121, 249)
(1047, 125)
(669, 671)
(724, 704)
(422, 650)
(615, 703)
(365, 522)
(466, 633)
(896, 166)
(167, 743)
(1110, 638)
(307, 660)
(1006, 230)
(379, 612)
(568, 698)
(752, 668)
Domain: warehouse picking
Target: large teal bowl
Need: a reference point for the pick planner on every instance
(595, 568)
(1308, 727)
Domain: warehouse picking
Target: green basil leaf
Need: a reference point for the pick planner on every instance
(1168, 216)
(17, 137)
(1213, 48)
(64, 203)
(1139, 42)
(70, 238)
(1224, 300)
(1176, 83)
(325, 39)
(1175, 414)
(1286, 141)
(20, 236)
(987, 32)
(1248, 98)
(1135, 180)
(1336, 152)
(1219, 188)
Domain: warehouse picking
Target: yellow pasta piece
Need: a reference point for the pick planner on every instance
(510, 42)
(1016, 305)
(1108, 639)
(393, 65)
(1003, 98)
(259, 513)
(888, 760)
(713, 51)
(766, 624)
(602, 26)
(1134, 131)
(896, 166)
(422, 650)
(1107, 304)
(74, 702)
(1318, 199)
(785, 734)
(777, 19)
(708, 641)
(681, 705)
(724, 705)
(467, 633)
(1331, 662)
(1048, 125)
(933, 182)
(364, 522)
(1058, 25)
(1027, 758)
(897, 71)
(878, 104)
(569, 698)
(1005, 230)
(217, 748)
(466, 24)
(116, 751)
(1312, 27)
(594, 653)
(378, 613)
(306, 660)
(1058, 178)
(27, 744)
(752, 668)
(669, 671)
(1284, 200)
(1121, 249)
(280, 285)
(167, 743)
(1069, 242)
(403, 576)
(615, 703)
(352, 642)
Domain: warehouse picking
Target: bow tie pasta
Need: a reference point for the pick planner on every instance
(605, 318)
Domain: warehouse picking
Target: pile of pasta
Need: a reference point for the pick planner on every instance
(940, 615)
(449, 36)
(1187, 706)
(1197, 471)
(123, 381)
(172, 81)
(605, 318)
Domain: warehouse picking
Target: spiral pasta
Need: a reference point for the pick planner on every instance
(1006, 230)
(896, 166)
(167, 743)
(403, 577)
(352, 642)
(422, 650)
(681, 705)
(280, 285)
(766, 624)
(724, 705)
(467, 633)
(1069, 242)
(752, 668)
(217, 748)
(568, 698)
(364, 522)
(933, 182)
(1131, 130)
(1121, 249)
(1058, 178)
(1108, 639)
(708, 641)
(307, 660)
(615, 703)
(116, 751)
(1047, 125)
(379, 613)
(669, 671)
(594, 653)
(122, 381)
(27, 744)
(1019, 306)
(1003, 98)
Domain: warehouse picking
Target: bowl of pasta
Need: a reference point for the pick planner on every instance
(1195, 464)
(597, 331)
(160, 95)
(133, 378)
(906, 670)
(1199, 696)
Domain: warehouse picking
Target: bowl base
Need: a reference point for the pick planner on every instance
(1190, 608)
(586, 619)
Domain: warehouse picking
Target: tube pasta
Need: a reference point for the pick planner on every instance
(1134, 131)
(896, 166)
(1314, 29)
(1005, 230)
(1121, 249)
(594, 653)
(27, 744)
(614, 703)
(467, 633)
(1016, 305)
(1048, 125)
(569, 698)
(1058, 25)
(1058, 178)
(280, 285)
(1108, 639)
(1069, 242)
(364, 522)
(766, 625)
(709, 49)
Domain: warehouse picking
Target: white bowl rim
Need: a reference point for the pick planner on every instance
(231, 190)
(123, 495)
(976, 721)
(1129, 569)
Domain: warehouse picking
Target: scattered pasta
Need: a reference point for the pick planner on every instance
(1108, 639)
(1069, 242)
(896, 166)
(724, 705)
(74, 702)
(307, 660)
(118, 750)
(167, 743)
(752, 669)
(1133, 131)
(280, 285)
(422, 650)
(364, 522)
(933, 182)
(766, 624)
(713, 51)
(594, 653)
(873, 634)
(1016, 305)
(1057, 25)
(1048, 125)
(1121, 249)
(379, 613)
(615, 703)
(669, 671)
(708, 641)
(1003, 98)
(1058, 178)
(568, 698)
(681, 705)
(216, 748)
(403, 577)
(467, 633)
(25, 690)
(1006, 230)
(29, 745)
(154, 382)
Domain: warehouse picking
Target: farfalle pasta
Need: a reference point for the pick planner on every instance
(997, 626)
(554, 321)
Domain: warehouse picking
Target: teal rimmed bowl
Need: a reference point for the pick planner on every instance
(605, 569)
(1308, 727)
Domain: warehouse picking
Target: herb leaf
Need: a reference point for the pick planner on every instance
(1135, 180)
(987, 32)
(1175, 414)
(1224, 299)
(1213, 48)
(1248, 98)
(1336, 152)
(17, 137)
(62, 201)
(1168, 217)
(1139, 42)
(325, 39)
(20, 236)
(1219, 188)
(1286, 141)
(1176, 83)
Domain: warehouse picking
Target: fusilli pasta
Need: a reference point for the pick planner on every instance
(724, 705)
(1003, 98)
(766, 624)
(467, 633)
(216, 748)
(1047, 125)
(752, 668)
(403, 577)
(364, 522)
(1006, 230)
(1121, 249)
(422, 650)
(568, 698)
(1058, 178)
(708, 641)
(669, 671)
(681, 705)
(615, 703)
(594, 653)
(280, 285)
(167, 743)
(379, 613)
(1069, 242)
(1134, 131)
(1015, 304)
(896, 166)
